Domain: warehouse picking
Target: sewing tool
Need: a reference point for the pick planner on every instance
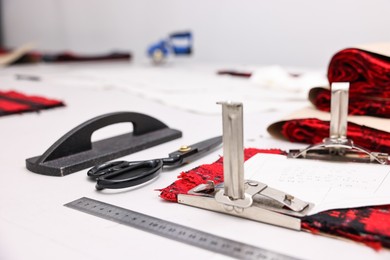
(74, 151)
(337, 146)
(244, 198)
(123, 174)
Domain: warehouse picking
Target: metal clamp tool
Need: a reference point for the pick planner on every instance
(337, 146)
(244, 198)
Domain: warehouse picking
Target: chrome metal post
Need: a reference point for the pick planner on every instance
(339, 110)
(233, 150)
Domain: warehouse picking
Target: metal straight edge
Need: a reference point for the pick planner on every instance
(175, 231)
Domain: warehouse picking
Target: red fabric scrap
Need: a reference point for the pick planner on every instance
(12, 102)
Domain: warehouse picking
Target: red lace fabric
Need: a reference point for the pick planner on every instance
(369, 76)
(313, 130)
(201, 174)
(12, 102)
(368, 225)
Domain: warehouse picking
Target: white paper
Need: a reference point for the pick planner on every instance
(329, 185)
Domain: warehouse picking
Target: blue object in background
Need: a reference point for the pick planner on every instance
(179, 44)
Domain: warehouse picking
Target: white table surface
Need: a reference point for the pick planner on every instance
(34, 224)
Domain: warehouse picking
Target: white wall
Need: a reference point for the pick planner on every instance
(286, 32)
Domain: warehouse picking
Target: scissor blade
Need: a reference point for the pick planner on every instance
(207, 145)
(196, 150)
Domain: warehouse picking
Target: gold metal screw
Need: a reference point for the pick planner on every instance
(184, 148)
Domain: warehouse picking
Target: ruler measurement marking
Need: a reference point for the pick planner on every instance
(174, 231)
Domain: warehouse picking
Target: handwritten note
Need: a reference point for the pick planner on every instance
(329, 185)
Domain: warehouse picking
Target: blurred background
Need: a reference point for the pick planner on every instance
(289, 33)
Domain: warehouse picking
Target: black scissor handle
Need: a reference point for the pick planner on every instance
(105, 168)
(131, 174)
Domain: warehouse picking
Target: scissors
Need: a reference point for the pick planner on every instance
(123, 174)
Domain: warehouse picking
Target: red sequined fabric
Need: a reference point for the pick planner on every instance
(368, 225)
(368, 73)
(12, 102)
(369, 77)
(312, 131)
(357, 105)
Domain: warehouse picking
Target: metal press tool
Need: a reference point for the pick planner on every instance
(239, 197)
(337, 147)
